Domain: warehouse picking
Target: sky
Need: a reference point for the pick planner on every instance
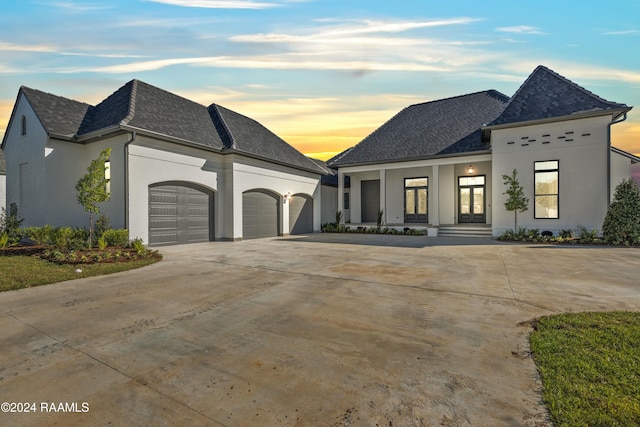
(321, 74)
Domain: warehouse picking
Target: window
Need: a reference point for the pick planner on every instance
(107, 175)
(546, 189)
(346, 201)
(23, 126)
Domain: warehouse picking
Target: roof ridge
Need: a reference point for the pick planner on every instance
(53, 94)
(490, 92)
(227, 138)
(132, 103)
(575, 85)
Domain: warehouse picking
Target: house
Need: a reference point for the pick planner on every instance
(179, 172)
(3, 182)
(439, 165)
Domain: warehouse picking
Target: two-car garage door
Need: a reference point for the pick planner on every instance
(183, 213)
(261, 212)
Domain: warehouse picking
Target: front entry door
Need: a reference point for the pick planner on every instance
(471, 199)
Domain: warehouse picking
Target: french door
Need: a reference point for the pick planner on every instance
(471, 199)
(416, 192)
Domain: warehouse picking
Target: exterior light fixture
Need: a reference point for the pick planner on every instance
(471, 169)
(286, 197)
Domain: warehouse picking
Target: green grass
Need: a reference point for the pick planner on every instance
(17, 272)
(590, 367)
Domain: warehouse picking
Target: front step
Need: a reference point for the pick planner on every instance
(465, 231)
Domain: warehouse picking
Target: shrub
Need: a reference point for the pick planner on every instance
(61, 238)
(119, 237)
(10, 222)
(102, 224)
(102, 243)
(622, 223)
(4, 239)
(587, 236)
(138, 246)
(40, 235)
(79, 240)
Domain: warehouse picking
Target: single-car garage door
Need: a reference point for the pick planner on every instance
(259, 215)
(300, 215)
(179, 214)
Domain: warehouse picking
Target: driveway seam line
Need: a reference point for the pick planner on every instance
(113, 368)
(470, 294)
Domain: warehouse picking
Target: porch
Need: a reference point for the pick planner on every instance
(448, 230)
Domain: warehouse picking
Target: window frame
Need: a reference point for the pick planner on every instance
(536, 171)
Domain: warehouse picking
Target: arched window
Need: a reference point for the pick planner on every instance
(23, 126)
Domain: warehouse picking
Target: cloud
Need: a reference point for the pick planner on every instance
(621, 33)
(219, 4)
(75, 7)
(521, 29)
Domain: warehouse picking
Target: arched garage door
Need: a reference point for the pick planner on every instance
(179, 213)
(260, 211)
(300, 215)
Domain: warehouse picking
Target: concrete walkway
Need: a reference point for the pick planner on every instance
(320, 330)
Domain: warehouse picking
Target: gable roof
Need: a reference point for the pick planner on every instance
(138, 106)
(546, 94)
(59, 116)
(443, 127)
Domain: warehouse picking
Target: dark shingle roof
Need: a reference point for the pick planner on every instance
(59, 116)
(147, 108)
(546, 94)
(248, 136)
(446, 126)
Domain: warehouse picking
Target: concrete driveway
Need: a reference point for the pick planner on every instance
(320, 330)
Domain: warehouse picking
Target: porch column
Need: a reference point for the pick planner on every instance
(434, 187)
(341, 194)
(383, 194)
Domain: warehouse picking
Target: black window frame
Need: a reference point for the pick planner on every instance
(535, 192)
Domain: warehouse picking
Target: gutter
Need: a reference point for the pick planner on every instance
(126, 178)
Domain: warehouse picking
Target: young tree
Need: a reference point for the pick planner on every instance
(517, 202)
(92, 188)
(622, 223)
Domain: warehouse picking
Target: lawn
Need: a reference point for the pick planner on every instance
(589, 364)
(18, 272)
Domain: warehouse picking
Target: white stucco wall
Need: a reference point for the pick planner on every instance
(228, 176)
(25, 160)
(329, 204)
(251, 174)
(581, 148)
(620, 170)
(152, 162)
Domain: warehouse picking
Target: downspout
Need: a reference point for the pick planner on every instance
(126, 178)
(613, 122)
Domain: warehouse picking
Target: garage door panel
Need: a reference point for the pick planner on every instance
(300, 215)
(259, 215)
(178, 214)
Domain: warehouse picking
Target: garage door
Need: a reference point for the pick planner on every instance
(300, 215)
(179, 214)
(259, 215)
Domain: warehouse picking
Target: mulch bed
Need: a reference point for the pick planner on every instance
(22, 250)
(105, 256)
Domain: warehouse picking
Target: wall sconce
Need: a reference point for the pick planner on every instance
(286, 197)
(470, 169)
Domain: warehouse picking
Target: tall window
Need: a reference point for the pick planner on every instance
(107, 175)
(546, 189)
(23, 126)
